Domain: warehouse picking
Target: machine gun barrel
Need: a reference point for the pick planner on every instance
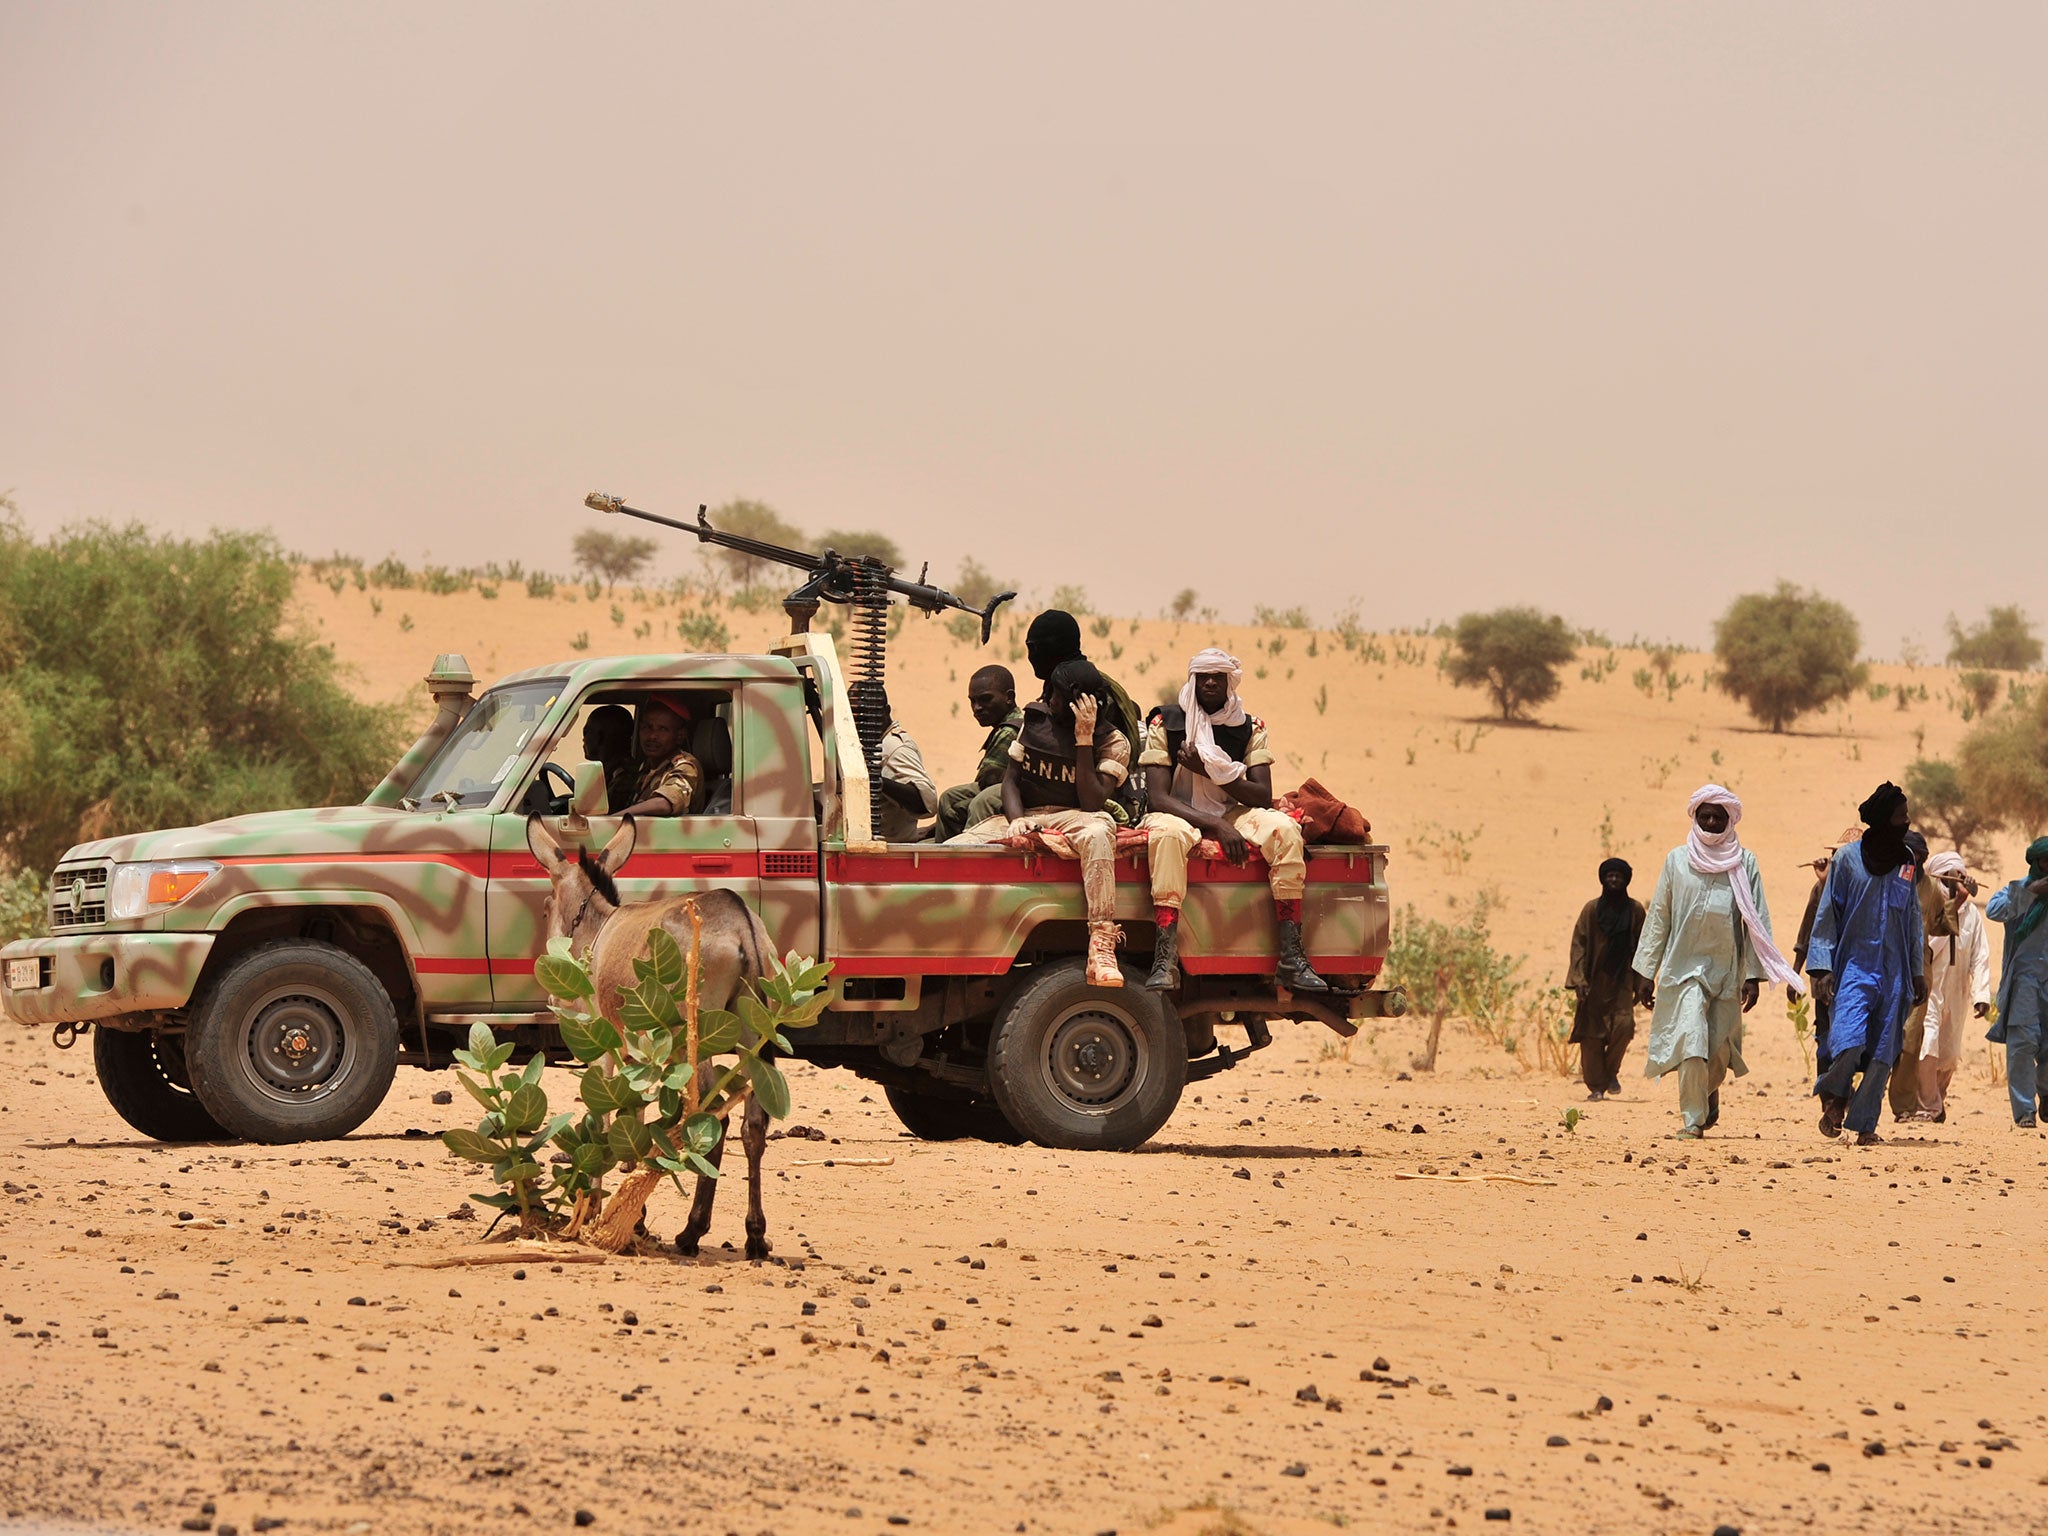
(833, 576)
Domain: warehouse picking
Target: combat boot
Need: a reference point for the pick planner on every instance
(1103, 970)
(1296, 975)
(1165, 960)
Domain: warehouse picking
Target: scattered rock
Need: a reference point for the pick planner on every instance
(585, 1517)
(443, 1096)
(1295, 1469)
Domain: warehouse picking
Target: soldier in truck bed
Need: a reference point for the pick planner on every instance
(1209, 773)
(992, 695)
(1067, 762)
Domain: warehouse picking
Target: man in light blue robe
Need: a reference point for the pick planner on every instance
(2022, 1026)
(1705, 951)
(1868, 961)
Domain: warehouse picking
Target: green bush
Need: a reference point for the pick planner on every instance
(610, 557)
(703, 632)
(2004, 766)
(159, 686)
(24, 905)
(644, 1104)
(2004, 641)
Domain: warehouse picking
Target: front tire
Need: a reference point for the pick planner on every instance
(1085, 1068)
(143, 1075)
(939, 1117)
(296, 1042)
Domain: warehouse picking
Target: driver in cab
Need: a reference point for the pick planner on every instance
(667, 780)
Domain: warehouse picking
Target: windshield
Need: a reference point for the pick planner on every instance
(475, 760)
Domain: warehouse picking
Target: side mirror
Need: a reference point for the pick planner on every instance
(590, 798)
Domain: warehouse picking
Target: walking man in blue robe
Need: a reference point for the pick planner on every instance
(1869, 965)
(2022, 1025)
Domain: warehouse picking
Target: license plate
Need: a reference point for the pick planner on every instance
(24, 974)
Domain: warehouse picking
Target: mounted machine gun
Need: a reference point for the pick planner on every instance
(862, 583)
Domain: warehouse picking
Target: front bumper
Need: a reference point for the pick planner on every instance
(98, 975)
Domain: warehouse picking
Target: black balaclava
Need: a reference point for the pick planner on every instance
(1054, 637)
(1884, 845)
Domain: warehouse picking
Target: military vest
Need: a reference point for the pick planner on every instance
(1045, 772)
(1235, 740)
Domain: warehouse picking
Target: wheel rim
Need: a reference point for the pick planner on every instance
(296, 1046)
(1095, 1058)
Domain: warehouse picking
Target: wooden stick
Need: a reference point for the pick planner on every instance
(691, 1102)
(842, 1162)
(567, 1253)
(1479, 1178)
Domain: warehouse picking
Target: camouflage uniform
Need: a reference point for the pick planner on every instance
(1169, 839)
(679, 780)
(965, 805)
(902, 763)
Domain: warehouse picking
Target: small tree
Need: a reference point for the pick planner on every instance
(611, 557)
(2005, 641)
(976, 585)
(1787, 653)
(1941, 799)
(2004, 763)
(753, 520)
(1184, 604)
(1513, 653)
(1074, 599)
(862, 544)
(154, 682)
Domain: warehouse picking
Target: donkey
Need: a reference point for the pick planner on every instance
(584, 908)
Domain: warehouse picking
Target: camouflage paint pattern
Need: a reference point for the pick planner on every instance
(466, 899)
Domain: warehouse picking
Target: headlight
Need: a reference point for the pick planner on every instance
(140, 889)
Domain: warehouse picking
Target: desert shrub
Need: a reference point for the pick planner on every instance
(703, 632)
(1280, 618)
(2005, 641)
(976, 585)
(2004, 765)
(645, 1112)
(160, 686)
(441, 581)
(610, 557)
(1980, 688)
(540, 584)
(1183, 606)
(1451, 969)
(1787, 653)
(1074, 599)
(1941, 798)
(965, 628)
(24, 905)
(390, 572)
(753, 520)
(1513, 653)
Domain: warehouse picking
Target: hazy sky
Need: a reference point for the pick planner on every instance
(1618, 309)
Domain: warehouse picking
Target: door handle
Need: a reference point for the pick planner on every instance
(713, 864)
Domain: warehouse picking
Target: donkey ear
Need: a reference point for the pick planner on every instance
(620, 848)
(540, 842)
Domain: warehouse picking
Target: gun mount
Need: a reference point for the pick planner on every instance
(862, 583)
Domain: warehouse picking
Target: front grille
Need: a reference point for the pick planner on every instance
(78, 896)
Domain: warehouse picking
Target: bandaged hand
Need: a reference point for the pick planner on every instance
(1085, 709)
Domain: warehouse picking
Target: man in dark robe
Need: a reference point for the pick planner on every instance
(1869, 965)
(1603, 944)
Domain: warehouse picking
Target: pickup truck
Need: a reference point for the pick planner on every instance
(263, 976)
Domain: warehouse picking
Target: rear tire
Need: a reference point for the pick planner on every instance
(143, 1075)
(1085, 1068)
(941, 1117)
(296, 1041)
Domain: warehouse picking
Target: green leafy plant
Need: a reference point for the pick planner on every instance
(1571, 1119)
(656, 1083)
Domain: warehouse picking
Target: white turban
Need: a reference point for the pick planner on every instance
(1720, 853)
(1219, 766)
(1944, 864)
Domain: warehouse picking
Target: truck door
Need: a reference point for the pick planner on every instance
(672, 856)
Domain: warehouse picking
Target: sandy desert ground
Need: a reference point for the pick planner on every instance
(1265, 1321)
